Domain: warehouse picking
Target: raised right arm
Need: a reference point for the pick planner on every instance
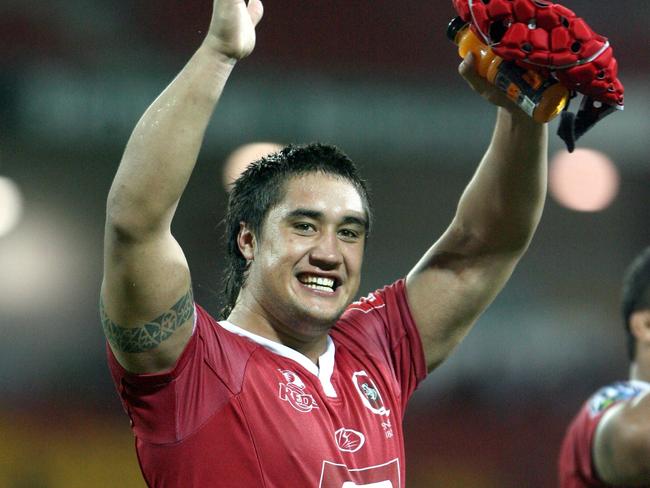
(146, 302)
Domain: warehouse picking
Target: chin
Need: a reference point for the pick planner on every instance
(314, 323)
(322, 312)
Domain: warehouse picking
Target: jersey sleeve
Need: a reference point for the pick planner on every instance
(381, 324)
(576, 469)
(575, 464)
(167, 407)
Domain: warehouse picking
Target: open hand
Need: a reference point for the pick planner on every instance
(232, 28)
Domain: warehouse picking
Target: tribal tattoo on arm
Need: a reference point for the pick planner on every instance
(152, 334)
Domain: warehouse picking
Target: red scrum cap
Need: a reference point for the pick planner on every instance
(550, 38)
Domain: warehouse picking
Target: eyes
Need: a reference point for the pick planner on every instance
(348, 234)
(304, 228)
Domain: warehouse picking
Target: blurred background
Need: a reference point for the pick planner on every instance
(378, 78)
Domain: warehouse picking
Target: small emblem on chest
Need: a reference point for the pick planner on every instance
(292, 390)
(349, 440)
(369, 393)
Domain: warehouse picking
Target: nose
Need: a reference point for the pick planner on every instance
(326, 253)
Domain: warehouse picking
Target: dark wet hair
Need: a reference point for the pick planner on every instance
(262, 186)
(636, 294)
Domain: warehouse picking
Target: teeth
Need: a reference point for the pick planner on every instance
(318, 280)
(320, 287)
(318, 283)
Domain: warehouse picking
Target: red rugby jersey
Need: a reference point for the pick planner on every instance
(238, 410)
(575, 465)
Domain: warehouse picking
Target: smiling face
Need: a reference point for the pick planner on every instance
(305, 267)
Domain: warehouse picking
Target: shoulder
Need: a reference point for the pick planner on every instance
(223, 341)
(378, 317)
(581, 430)
(387, 303)
(372, 302)
(621, 443)
(381, 326)
(575, 460)
(614, 393)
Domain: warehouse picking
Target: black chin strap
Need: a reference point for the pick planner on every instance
(567, 129)
(573, 126)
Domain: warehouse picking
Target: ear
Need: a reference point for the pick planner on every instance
(640, 325)
(246, 242)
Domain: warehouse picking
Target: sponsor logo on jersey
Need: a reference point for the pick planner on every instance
(349, 440)
(369, 393)
(292, 390)
(379, 484)
(336, 475)
(609, 395)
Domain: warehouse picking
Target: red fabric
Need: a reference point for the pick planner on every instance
(575, 467)
(545, 35)
(227, 414)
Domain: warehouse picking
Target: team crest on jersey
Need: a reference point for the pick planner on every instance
(349, 440)
(369, 393)
(611, 394)
(292, 390)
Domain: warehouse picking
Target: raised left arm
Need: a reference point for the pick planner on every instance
(460, 275)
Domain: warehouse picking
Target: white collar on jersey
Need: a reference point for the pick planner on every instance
(325, 366)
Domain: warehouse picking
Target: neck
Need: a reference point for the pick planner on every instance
(259, 323)
(640, 371)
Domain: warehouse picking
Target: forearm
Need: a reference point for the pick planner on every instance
(164, 146)
(503, 203)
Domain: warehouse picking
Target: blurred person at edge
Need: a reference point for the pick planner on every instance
(297, 385)
(608, 442)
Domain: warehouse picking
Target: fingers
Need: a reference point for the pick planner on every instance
(467, 65)
(483, 87)
(467, 69)
(255, 10)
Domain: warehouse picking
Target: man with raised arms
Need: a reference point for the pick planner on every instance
(295, 386)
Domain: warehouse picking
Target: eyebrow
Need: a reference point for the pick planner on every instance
(318, 215)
